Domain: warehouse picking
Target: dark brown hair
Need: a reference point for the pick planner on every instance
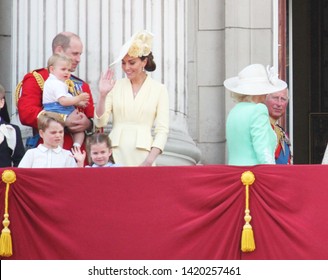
(98, 138)
(151, 65)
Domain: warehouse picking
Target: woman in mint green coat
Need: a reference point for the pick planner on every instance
(250, 137)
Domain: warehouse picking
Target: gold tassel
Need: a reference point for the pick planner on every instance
(6, 250)
(247, 237)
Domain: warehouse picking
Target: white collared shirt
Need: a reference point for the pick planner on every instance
(54, 89)
(43, 157)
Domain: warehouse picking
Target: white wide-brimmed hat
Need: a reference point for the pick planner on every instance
(255, 79)
(139, 45)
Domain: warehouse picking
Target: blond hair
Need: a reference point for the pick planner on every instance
(237, 97)
(55, 58)
(46, 117)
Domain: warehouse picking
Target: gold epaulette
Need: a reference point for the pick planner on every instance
(39, 79)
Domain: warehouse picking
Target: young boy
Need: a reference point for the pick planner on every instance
(50, 153)
(11, 144)
(56, 97)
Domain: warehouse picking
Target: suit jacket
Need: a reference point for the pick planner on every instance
(250, 137)
(8, 157)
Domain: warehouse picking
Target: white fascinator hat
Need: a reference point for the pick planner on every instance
(139, 45)
(255, 79)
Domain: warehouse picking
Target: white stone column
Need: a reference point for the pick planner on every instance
(104, 25)
(180, 148)
(167, 21)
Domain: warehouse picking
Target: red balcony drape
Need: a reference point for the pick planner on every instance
(186, 212)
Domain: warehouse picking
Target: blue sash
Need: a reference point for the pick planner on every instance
(57, 108)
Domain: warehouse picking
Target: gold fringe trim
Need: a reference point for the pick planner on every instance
(8, 177)
(247, 237)
(39, 79)
(71, 87)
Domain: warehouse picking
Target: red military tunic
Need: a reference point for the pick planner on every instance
(283, 153)
(30, 100)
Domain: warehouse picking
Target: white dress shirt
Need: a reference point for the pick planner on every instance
(43, 157)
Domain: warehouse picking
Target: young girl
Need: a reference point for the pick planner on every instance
(99, 151)
(50, 153)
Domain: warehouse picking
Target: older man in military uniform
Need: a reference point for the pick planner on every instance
(277, 104)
